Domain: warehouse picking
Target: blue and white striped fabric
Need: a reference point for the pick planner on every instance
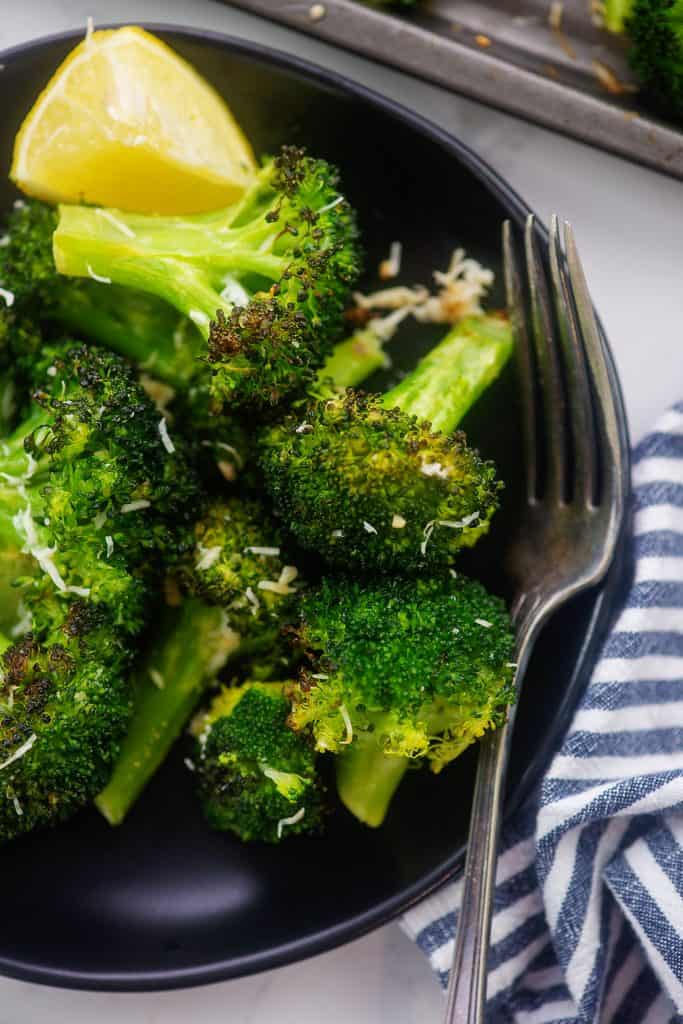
(588, 919)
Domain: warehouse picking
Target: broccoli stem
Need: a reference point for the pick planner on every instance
(452, 376)
(138, 326)
(13, 565)
(616, 13)
(4, 643)
(189, 648)
(15, 462)
(367, 779)
(180, 261)
(352, 361)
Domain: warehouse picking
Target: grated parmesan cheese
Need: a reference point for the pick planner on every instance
(289, 574)
(23, 522)
(275, 587)
(136, 506)
(233, 291)
(17, 806)
(115, 222)
(398, 297)
(20, 751)
(199, 318)
(109, 541)
(157, 678)
(7, 296)
(253, 600)
(368, 527)
(331, 205)
(484, 622)
(391, 267)
(268, 552)
(97, 277)
(226, 448)
(295, 817)
(435, 469)
(207, 557)
(189, 764)
(347, 723)
(452, 524)
(165, 439)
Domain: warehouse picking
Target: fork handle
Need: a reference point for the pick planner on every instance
(467, 983)
(467, 987)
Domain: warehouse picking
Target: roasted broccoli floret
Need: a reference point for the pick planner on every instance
(90, 485)
(137, 325)
(655, 30)
(256, 777)
(64, 704)
(264, 281)
(241, 594)
(381, 482)
(400, 671)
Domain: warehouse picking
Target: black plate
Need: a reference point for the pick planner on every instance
(162, 902)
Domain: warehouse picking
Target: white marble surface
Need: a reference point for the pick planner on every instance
(629, 224)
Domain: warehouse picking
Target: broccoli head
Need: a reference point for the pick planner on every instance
(255, 776)
(237, 562)
(64, 704)
(399, 670)
(242, 594)
(374, 487)
(90, 482)
(655, 30)
(264, 281)
(382, 483)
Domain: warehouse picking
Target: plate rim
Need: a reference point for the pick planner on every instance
(381, 913)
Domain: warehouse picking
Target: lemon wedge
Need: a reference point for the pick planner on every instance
(126, 122)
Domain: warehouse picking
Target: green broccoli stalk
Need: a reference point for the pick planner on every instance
(190, 645)
(255, 776)
(243, 594)
(64, 704)
(382, 483)
(265, 281)
(400, 671)
(655, 30)
(137, 325)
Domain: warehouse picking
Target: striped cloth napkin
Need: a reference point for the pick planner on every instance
(588, 917)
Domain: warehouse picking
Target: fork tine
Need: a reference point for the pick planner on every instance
(525, 361)
(549, 368)
(577, 378)
(607, 418)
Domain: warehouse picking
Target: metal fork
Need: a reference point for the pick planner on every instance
(576, 469)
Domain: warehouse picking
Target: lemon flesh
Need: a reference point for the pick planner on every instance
(126, 122)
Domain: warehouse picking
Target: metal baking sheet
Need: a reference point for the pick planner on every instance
(569, 75)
